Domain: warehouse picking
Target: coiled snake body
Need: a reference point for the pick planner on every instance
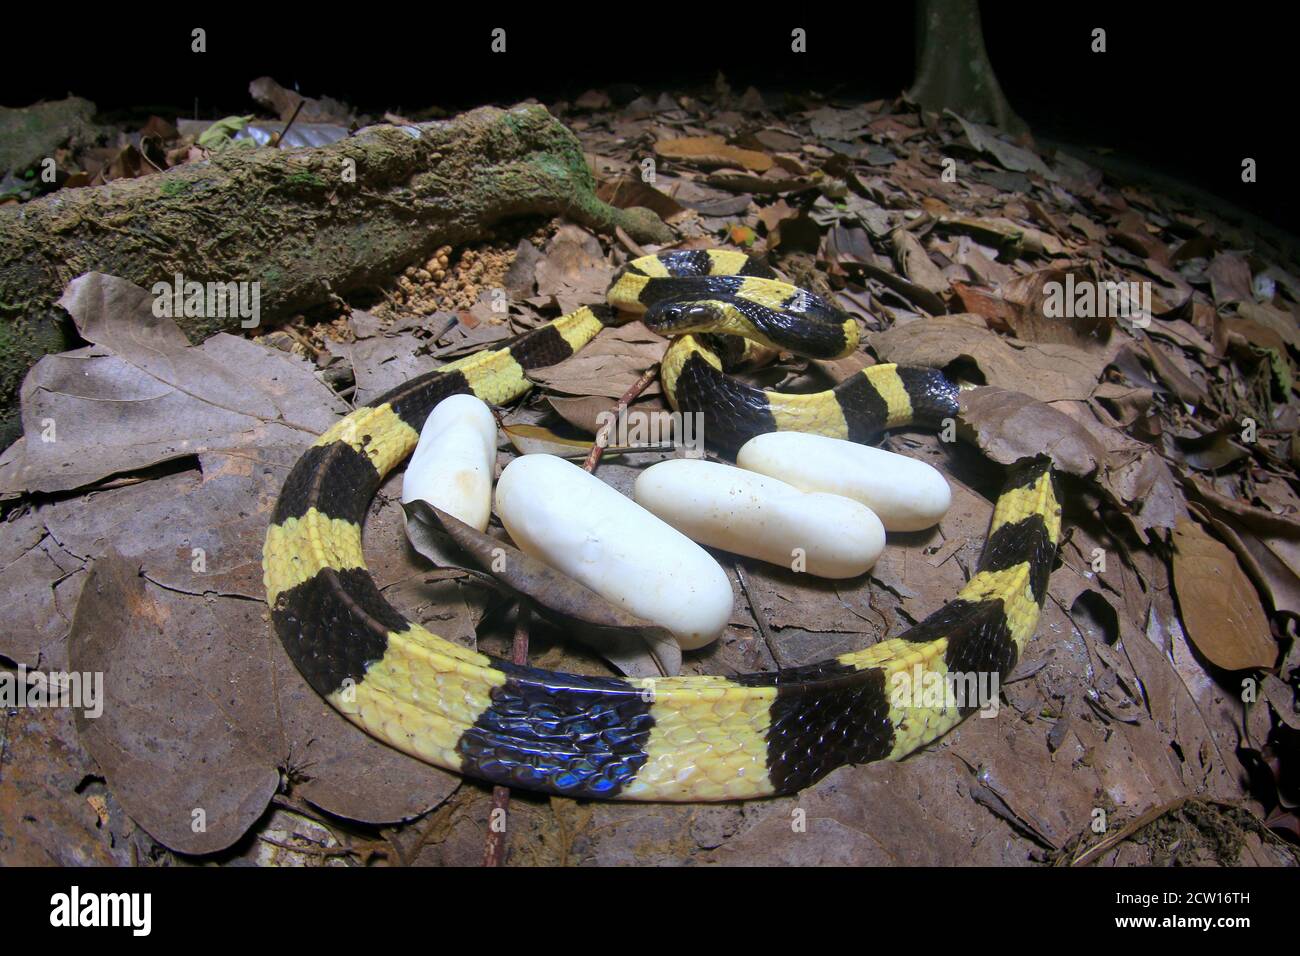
(688, 738)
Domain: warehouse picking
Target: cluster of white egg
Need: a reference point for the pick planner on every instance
(814, 504)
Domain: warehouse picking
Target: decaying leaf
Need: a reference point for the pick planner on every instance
(1267, 544)
(629, 191)
(986, 140)
(1048, 308)
(916, 265)
(572, 271)
(535, 439)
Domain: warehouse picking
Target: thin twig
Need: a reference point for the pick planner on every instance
(279, 137)
(303, 341)
(757, 612)
(1097, 850)
(628, 242)
(494, 852)
(639, 386)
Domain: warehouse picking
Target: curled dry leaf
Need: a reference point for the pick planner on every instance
(913, 292)
(1229, 276)
(538, 440)
(1210, 452)
(1244, 336)
(995, 310)
(636, 647)
(916, 265)
(985, 139)
(1009, 426)
(1220, 607)
(630, 191)
(1171, 371)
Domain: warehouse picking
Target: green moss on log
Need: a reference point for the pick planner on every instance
(302, 222)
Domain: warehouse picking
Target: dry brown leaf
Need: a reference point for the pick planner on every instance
(1267, 544)
(772, 182)
(1046, 371)
(1229, 276)
(608, 366)
(1031, 296)
(1135, 478)
(985, 139)
(712, 151)
(143, 395)
(1009, 426)
(147, 750)
(918, 295)
(1278, 321)
(40, 581)
(1169, 368)
(630, 191)
(1220, 607)
(202, 683)
(916, 264)
(573, 270)
(1000, 314)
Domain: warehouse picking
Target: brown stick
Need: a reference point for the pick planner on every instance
(755, 610)
(639, 386)
(278, 138)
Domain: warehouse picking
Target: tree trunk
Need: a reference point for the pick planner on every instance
(953, 68)
(294, 221)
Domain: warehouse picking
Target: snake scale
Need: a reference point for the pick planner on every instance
(686, 738)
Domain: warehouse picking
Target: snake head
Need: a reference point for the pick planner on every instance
(674, 318)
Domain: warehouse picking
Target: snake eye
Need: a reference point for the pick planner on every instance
(664, 316)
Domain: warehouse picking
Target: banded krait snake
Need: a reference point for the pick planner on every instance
(688, 738)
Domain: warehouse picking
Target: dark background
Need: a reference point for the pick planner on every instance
(1184, 90)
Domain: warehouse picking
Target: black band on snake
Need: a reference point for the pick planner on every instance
(690, 738)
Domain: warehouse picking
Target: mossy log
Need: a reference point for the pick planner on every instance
(300, 222)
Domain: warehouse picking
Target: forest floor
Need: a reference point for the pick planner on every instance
(1153, 720)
